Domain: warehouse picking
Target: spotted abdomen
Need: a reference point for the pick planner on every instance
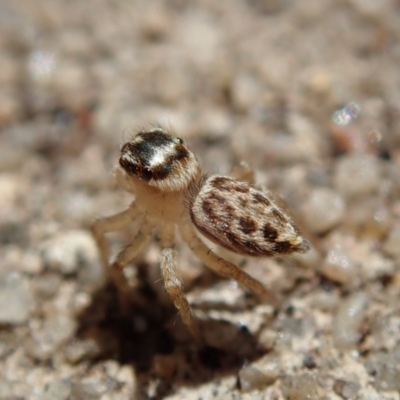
(244, 219)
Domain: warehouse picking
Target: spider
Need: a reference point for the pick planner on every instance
(171, 194)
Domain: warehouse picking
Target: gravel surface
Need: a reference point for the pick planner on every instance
(308, 93)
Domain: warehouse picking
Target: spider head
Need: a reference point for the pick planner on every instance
(160, 160)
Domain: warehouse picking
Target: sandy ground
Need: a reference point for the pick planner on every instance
(308, 93)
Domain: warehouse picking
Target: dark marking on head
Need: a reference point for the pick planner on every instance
(269, 232)
(247, 225)
(152, 155)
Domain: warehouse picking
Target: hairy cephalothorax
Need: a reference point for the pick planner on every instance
(172, 194)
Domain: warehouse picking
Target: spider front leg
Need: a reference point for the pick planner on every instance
(125, 256)
(173, 281)
(111, 224)
(114, 223)
(223, 267)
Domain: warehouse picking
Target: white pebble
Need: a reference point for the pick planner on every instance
(346, 389)
(259, 374)
(386, 370)
(302, 387)
(69, 251)
(41, 65)
(55, 332)
(57, 390)
(348, 319)
(78, 350)
(357, 175)
(368, 218)
(15, 299)
(338, 266)
(324, 210)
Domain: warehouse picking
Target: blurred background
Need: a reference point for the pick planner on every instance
(308, 93)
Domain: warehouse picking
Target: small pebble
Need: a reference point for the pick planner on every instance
(368, 218)
(386, 370)
(16, 300)
(301, 387)
(31, 263)
(323, 210)
(57, 390)
(70, 251)
(79, 350)
(347, 321)
(357, 175)
(55, 332)
(346, 389)
(41, 65)
(46, 286)
(259, 374)
(385, 330)
(92, 387)
(338, 266)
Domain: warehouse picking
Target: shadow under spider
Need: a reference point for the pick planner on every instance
(148, 333)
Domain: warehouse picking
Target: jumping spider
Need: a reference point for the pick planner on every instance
(172, 193)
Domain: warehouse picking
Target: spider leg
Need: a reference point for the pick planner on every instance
(223, 267)
(173, 280)
(110, 224)
(125, 256)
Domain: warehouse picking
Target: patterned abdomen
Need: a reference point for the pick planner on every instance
(244, 219)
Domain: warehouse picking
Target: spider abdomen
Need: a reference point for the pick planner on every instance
(244, 219)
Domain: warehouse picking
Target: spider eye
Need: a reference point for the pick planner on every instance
(179, 140)
(146, 174)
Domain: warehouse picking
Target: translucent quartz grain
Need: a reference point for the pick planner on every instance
(323, 210)
(357, 175)
(348, 319)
